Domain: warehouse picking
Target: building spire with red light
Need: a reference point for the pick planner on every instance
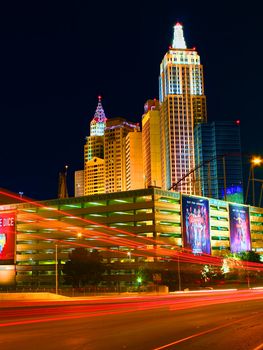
(98, 122)
(178, 39)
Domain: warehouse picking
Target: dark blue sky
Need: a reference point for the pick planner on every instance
(56, 59)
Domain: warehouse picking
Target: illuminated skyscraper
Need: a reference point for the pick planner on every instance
(94, 176)
(94, 154)
(151, 144)
(94, 146)
(134, 160)
(182, 106)
(115, 153)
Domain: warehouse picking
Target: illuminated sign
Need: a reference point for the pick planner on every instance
(196, 227)
(240, 239)
(233, 194)
(7, 236)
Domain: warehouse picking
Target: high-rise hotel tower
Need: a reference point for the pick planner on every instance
(182, 106)
(151, 144)
(94, 154)
(121, 151)
(95, 142)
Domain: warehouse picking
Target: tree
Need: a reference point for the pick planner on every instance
(211, 274)
(250, 256)
(246, 256)
(236, 266)
(83, 267)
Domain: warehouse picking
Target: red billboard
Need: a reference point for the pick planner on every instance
(7, 236)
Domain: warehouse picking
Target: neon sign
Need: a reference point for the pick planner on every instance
(7, 236)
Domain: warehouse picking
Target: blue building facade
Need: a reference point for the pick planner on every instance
(219, 161)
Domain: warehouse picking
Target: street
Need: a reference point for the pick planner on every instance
(216, 320)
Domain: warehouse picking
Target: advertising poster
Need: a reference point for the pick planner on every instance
(240, 239)
(7, 236)
(196, 227)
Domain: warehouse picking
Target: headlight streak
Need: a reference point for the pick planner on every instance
(114, 306)
(259, 347)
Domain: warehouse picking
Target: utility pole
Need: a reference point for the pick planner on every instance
(260, 196)
(248, 280)
(224, 169)
(56, 261)
(253, 184)
(255, 161)
(209, 180)
(179, 273)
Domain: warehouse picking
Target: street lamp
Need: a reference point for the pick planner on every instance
(179, 272)
(255, 161)
(248, 279)
(56, 259)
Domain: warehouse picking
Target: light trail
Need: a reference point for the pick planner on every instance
(37, 204)
(85, 245)
(158, 252)
(90, 234)
(206, 301)
(120, 305)
(185, 255)
(61, 318)
(118, 241)
(89, 312)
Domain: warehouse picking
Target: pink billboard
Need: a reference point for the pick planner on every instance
(7, 236)
(240, 239)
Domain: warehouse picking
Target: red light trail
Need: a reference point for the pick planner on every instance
(113, 306)
(138, 249)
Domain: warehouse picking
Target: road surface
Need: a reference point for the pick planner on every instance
(208, 320)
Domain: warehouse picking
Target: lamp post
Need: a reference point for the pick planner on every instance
(224, 172)
(56, 261)
(248, 280)
(255, 161)
(179, 273)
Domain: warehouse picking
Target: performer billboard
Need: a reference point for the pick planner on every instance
(7, 236)
(240, 239)
(195, 223)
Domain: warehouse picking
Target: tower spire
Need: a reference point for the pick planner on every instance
(98, 122)
(178, 39)
(99, 115)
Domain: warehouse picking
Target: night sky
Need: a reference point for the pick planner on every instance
(55, 60)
